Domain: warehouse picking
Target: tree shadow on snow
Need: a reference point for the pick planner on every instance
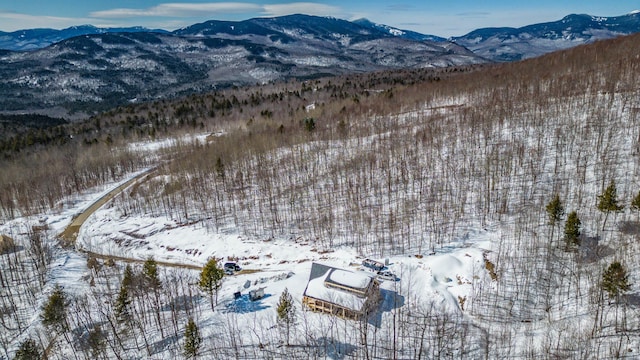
(629, 227)
(243, 305)
(182, 303)
(632, 299)
(12, 249)
(334, 349)
(591, 251)
(159, 346)
(389, 300)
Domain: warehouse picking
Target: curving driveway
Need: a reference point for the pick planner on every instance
(70, 234)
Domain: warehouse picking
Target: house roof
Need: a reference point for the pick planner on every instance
(317, 289)
(355, 280)
(318, 270)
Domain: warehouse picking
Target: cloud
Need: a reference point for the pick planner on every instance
(401, 7)
(474, 14)
(166, 15)
(180, 10)
(12, 21)
(209, 9)
(308, 8)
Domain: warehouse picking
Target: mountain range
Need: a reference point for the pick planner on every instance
(508, 44)
(495, 43)
(33, 39)
(99, 71)
(85, 69)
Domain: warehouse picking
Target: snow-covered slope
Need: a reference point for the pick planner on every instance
(33, 39)
(408, 34)
(508, 44)
(105, 70)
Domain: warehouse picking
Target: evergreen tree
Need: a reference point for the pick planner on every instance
(615, 280)
(127, 277)
(192, 339)
(309, 124)
(54, 312)
(150, 274)
(635, 203)
(286, 313)
(220, 168)
(121, 307)
(211, 280)
(342, 127)
(123, 301)
(608, 202)
(555, 211)
(572, 230)
(152, 281)
(28, 350)
(97, 341)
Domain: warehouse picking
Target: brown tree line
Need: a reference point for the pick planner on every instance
(85, 153)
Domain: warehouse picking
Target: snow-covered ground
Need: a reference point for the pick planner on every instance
(448, 272)
(272, 264)
(480, 271)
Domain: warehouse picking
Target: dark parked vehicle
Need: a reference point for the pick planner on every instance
(386, 275)
(231, 266)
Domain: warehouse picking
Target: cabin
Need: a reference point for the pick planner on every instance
(6, 244)
(340, 292)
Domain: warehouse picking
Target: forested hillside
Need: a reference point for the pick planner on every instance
(539, 158)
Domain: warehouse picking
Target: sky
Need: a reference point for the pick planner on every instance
(434, 17)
